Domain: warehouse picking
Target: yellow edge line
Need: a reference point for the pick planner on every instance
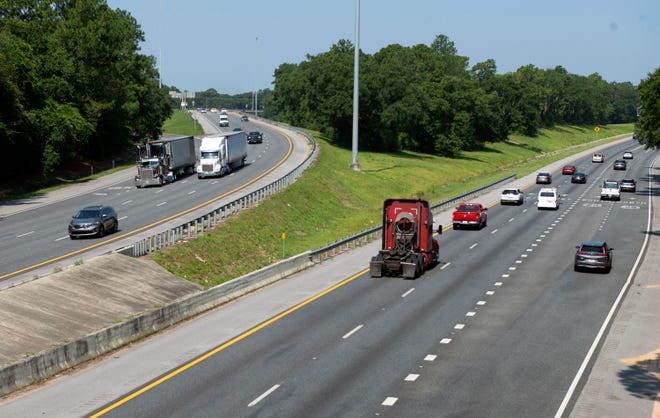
(43, 263)
(225, 345)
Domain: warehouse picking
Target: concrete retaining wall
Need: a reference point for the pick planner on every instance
(53, 361)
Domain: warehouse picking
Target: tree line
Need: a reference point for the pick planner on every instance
(73, 84)
(427, 98)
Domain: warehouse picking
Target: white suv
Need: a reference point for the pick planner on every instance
(548, 198)
(512, 195)
(598, 157)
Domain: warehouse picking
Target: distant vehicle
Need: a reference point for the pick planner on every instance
(164, 160)
(224, 121)
(628, 155)
(93, 220)
(470, 214)
(223, 111)
(512, 195)
(598, 157)
(548, 198)
(237, 129)
(628, 185)
(543, 178)
(593, 255)
(203, 110)
(610, 190)
(214, 110)
(408, 247)
(255, 137)
(244, 118)
(221, 153)
(619, 165)
(578, 177)
(568, 170)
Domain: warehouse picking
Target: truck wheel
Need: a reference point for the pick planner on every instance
(455, 226)
(486, 221)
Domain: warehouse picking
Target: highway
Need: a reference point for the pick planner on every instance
(39, 236)
(498, 328)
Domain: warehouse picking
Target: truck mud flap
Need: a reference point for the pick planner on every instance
(376, 268)
(409, 270)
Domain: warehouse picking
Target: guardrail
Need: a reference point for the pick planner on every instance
(368, 235)
(199, 225)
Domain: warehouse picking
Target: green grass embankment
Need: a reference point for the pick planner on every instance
(180, 123)
(331, 201)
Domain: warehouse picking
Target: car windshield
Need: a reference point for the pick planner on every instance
(510, 192)
(88, 213)
(611, 185)
(254, 133)
(547, 194)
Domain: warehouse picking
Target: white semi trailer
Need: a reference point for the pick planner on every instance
(221, 153)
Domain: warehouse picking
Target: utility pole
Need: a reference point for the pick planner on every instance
(356, 73)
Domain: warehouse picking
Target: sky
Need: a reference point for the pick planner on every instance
(235, 46)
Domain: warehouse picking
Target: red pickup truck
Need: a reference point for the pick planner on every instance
(470, 214)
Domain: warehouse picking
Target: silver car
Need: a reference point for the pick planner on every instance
(594, 255)
(93, 220)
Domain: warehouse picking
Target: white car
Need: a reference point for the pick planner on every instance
(598, 157)
(628, 155)
(548, 198)
(512, 195)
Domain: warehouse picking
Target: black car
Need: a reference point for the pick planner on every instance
(237, 129)
(255, 137)
(628, 185)
(593, 255)
(93, 220)
(543, 178)
(619, 165)
(244, 118)
(578, 177)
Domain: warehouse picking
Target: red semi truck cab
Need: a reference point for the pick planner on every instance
(408, 246)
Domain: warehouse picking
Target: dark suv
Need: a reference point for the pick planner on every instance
(255, 137)
(93, 220)
(593, 255)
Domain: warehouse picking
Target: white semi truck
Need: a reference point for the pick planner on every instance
(162, 161)
(221, 153)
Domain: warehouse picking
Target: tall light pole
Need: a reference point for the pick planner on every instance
(254, 94)
(356, 73)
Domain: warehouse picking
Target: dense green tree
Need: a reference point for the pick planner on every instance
(648, 126)
(73, 83)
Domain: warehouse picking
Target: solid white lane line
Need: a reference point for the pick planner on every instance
(263, 395)
(25, 234)
(351, 332)
(408, 292)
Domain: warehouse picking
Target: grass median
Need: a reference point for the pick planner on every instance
(330, 201)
